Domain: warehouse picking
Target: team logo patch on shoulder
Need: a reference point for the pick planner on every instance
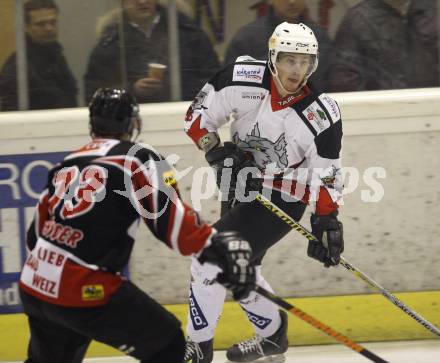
(92, 292)
(331, 106)
(197, 103)
(317, 117)
(330, 177)
(248, 73)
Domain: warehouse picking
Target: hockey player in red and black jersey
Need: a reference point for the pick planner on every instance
(287, 136)
(82, 236)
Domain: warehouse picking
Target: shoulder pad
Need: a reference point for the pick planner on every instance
(248, 58)
(320, 113)
(252, 74)
(331, 106)
(249, 72)
(142, 151)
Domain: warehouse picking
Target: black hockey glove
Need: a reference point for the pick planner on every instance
(232, 254)
(329, 231)
(229, 158)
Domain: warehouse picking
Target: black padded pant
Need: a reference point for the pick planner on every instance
(258, 225)
(131, 321)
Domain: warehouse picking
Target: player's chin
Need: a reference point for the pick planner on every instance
(292, 86)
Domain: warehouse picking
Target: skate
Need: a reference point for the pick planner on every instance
(199, 352)
(261, 349)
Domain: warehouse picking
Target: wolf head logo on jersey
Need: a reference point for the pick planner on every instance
(265, 152)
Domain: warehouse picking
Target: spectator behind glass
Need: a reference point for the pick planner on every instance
(386, 44)
(252, 38)
(145, 40)
(50, 81)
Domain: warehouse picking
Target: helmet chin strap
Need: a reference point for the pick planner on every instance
(136, 135)
(136, 129)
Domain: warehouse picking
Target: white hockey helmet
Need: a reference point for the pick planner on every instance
(293, 38)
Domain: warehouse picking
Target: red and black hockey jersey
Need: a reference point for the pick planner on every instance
(293, 140)
(87, 217)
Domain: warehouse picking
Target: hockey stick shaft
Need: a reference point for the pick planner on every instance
(359, 274)
(318, 325)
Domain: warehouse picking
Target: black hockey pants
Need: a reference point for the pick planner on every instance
(258, 225)
(132, 322)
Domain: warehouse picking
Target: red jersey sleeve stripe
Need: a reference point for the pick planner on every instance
(325, 204)
(193, 234)
(300, 192)
(195, 132)
(185, 233)
(141, 183)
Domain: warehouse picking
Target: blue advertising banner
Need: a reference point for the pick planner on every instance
(22, 178)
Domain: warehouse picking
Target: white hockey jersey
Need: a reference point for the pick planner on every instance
(289, 138)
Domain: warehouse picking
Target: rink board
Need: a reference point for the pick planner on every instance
(359, 317)
(391, 240)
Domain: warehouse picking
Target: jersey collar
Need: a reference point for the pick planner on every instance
(278, 103)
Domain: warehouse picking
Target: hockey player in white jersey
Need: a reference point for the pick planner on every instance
(292, 134)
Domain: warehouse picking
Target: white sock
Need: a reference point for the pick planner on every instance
(263, 314)
(205, 302)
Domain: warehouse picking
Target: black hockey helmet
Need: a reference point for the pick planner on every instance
(112, 111)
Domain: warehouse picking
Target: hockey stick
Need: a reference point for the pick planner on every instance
(318, 325)
(359, 274)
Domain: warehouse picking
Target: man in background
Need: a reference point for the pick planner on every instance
(130, 41)
(252, 38)
(386, 44)
(50, 81)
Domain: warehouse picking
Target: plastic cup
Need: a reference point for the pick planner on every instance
(156, 70)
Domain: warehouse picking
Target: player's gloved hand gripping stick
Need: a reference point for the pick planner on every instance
(329, 242)
(227, 160)
(342, 261)
(232, 254)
